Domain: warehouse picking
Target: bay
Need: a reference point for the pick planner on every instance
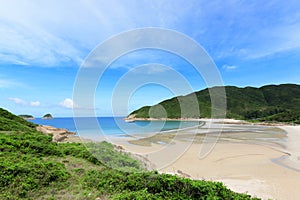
(89, 127)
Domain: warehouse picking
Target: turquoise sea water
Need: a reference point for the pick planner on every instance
(112, 126)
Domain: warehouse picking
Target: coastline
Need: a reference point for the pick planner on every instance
(223, 120)
(259, 159)
(133, 119)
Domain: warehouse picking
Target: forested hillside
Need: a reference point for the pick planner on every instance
(268, 103)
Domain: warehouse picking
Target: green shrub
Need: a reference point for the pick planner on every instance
(269, 103)
(31, 165)
(22, 174)
(156, 186)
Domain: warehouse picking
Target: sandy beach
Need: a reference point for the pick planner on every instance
(260, 160)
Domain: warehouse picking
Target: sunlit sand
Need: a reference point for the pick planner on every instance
(260, 160)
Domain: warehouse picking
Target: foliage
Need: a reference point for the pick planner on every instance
(21, 173)
(268, 103)
(28, 162)
(10, 122)
(101, 153)
(34, 167)
(151, 185)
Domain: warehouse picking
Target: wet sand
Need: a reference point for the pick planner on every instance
(260, 160)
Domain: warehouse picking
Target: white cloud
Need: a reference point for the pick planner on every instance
(229, 67)
(35, 103)
(27, 39)
(151, 69)
(23, 102)
(154, 69)
(11, 83)
(18, 101)
(26, 45)
(280, 39)
(7, 83)
(65, 32)
(68, 103)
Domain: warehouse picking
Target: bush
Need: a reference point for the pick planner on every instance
(21, 174)
(156, 186)
(31, 165)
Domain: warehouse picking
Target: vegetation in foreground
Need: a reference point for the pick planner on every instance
(272, 103)
(33, 167)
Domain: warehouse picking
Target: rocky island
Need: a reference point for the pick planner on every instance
(47, 116)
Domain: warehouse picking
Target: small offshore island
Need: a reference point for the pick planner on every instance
(150, 100)
(35, 167)
(30, 117)
(256, 154)
(47, 116)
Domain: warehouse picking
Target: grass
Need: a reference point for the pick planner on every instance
(34, 167)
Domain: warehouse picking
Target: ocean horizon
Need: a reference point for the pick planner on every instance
(112, 126)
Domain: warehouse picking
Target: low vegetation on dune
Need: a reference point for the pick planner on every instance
(272, 103)
(34, 167)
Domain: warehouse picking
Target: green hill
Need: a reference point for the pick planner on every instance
(10, 122)
(47, 116)
(34, 167)
(268, 103)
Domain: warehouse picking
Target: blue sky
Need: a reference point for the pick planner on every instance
(44, 43)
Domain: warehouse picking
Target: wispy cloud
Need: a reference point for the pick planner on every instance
(57, 36)
(244, 34)
(56, 33)
(229, 67)
(8, 83)
(151, 69)
(32, 46)
(22, 102)
(35, 103)
(281, 38)
(18, 101)
(29, 40)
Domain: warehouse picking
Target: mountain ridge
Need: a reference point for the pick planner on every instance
(278, 103)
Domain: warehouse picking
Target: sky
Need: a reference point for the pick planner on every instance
(44, 44)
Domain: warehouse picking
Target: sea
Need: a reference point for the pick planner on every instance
(92, 127)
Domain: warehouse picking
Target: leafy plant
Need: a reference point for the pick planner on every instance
(268, 103)
(34, 167)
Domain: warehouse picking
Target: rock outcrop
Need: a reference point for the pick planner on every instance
(59, 134)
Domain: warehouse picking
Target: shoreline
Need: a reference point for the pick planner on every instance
(221, 120)
(258, 159)
(128, 119)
